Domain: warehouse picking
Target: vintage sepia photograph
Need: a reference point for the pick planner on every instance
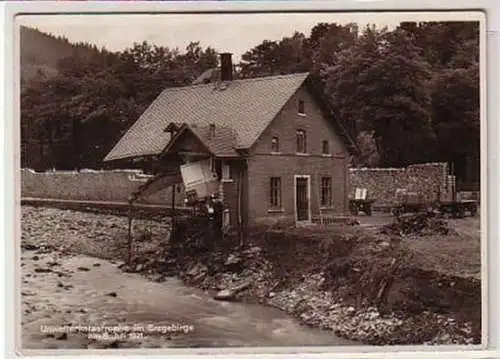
(231, 180)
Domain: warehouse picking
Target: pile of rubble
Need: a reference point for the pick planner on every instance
(253, 273)
(423, 224)
(367, 324)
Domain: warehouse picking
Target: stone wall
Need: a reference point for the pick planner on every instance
(90, 185)
(381, 183)
(428, 180)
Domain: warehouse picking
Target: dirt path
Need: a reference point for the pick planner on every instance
(65, 290)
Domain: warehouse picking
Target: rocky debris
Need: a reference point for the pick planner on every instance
(29, 246)
(62, 274)
(112, 294)
(158, 278)
(83, 269)
(94, 233)
(422, 224)
(53, 263)
(231, 293)
(252, 251)
(197, 272)
(225, 294)
(43, 270)
(368, 325)
(233, 259)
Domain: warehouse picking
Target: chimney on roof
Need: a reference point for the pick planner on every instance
(226, 66)
(211, 131)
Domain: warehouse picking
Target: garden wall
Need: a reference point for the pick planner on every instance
(90, 185)
(428, 180)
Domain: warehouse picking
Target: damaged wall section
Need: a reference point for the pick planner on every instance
(89, 185)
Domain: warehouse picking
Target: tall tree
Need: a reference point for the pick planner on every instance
(381, 85)
(74, 118)
(328, 40)
(456, 119)
(442, 41)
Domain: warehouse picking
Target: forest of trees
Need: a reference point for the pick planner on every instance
(406, 95)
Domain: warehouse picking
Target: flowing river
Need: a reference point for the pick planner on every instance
(82, 291)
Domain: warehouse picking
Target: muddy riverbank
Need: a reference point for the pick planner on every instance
(356, 282)
(75, 301)
(356, 285)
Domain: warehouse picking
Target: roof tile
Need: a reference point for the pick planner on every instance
(241, 110)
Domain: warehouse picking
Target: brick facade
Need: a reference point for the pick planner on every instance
(263, 164)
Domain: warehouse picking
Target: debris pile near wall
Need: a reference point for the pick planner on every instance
(422, 224)
(428, 180)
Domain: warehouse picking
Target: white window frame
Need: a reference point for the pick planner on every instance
(226, 172)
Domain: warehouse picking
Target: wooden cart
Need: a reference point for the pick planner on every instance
(410, 202)
(459, 208)
(361, 203)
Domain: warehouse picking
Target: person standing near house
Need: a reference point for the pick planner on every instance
(218, 214)
(209, 213)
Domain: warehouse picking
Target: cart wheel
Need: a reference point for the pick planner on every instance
(473, 211)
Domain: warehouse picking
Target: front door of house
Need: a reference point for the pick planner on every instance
(302, 198)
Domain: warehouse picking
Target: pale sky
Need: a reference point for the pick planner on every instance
(234, 33)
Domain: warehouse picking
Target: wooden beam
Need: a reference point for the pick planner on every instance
(187, 153)
(173, 200)
(130, 238)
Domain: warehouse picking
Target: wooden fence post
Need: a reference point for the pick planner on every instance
(130, 239)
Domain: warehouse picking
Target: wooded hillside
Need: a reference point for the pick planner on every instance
(408, 95)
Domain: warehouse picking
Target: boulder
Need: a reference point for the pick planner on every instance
(233, 259)
(225, 294)
(230, 293)
(197, 270)
(30, 247)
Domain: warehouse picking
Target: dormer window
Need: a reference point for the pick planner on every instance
(275, 144)
(301, 141)
(325, 148)
(301, 109)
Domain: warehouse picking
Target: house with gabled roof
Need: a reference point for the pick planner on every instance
(278, 152)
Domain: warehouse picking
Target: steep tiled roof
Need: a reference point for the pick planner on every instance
(241, 108)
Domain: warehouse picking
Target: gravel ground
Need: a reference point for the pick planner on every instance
(93, 234)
